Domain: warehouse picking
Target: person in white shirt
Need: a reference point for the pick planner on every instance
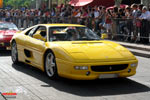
(96, 13)
(145, 14)
(145, 18)
(78, 15)
(134, 11)
(39, 12)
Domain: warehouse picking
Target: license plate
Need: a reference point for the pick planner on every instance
(105, 76)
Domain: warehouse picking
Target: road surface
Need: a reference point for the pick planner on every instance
(32, 84)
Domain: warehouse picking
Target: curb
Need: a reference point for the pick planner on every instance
(141, 54)
(137, 49)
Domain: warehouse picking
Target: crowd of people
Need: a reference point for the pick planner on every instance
(102, 18)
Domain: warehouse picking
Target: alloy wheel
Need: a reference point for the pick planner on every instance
(50, 65)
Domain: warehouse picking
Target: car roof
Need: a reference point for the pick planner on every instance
(58, 24)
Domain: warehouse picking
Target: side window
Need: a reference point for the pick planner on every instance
(40, 33)
(32, 31)
(27, 32)
(43, 31)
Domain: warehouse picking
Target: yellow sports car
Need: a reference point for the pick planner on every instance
(72, 51)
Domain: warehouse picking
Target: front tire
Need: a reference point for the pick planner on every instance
(50, 66)
(14, 52)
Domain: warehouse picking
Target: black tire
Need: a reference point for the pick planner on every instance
(14, 52)
(50, 65)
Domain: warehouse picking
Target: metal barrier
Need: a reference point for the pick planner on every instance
(132, 30)
(120, 29)
(24, 22)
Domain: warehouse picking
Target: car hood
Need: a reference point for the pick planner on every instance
(7, 32)
(96, 51)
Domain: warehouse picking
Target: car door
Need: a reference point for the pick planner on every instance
(35, 45)
(21, 40)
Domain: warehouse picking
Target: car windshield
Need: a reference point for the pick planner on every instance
(72, 34)
(8, 26)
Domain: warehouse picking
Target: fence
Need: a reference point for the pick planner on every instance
(132, 30)
(119, 29)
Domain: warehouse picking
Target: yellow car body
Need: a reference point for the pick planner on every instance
(103, 59)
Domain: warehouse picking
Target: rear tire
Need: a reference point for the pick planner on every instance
(50, 65)
(14, 52)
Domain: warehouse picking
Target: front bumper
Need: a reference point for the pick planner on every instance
(5, 42)
(66, 69)
(4, 46)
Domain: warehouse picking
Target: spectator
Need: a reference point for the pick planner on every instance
(140, 7)
(108, 22)
(78, 13)
(97, 18)
(96, 13)
(128, 12)
(102, 20)
(134, 16)
(53, 12)
(145, 17)
(134, 11)
(145, 14)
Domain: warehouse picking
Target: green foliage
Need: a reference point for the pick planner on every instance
(27, 3)
(18, 3)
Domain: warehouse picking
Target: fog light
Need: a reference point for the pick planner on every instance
(129, 70)
(88, 73)
(133, 65)
(81, 67)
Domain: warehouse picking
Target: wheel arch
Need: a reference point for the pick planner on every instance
(11, 44)
(55, 76)
(13, 40)
(44, 56)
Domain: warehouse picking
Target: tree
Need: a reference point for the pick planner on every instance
(17, 3)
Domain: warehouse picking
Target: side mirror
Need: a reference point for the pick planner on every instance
(39, 37)
(104, 36)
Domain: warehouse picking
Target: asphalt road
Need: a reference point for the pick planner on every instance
(31, 84)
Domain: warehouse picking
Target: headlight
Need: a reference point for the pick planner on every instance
(1, 36)
(81, 67)
(133, 65)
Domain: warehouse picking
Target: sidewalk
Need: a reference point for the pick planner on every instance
(137, 49)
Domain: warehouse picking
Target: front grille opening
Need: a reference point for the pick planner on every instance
(109, 68)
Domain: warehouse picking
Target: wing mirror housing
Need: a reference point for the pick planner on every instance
(39, 37)
(104, 36)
